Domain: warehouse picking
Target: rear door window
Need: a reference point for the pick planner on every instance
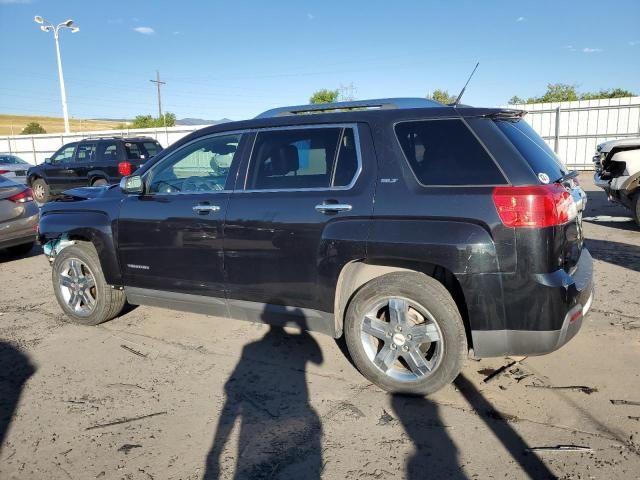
(533, 148)
(86, 153)
(108, 151)
(303, 158)
(445, 152)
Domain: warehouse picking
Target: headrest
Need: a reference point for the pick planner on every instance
(284, 159)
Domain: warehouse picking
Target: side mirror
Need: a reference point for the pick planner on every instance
(132, 184)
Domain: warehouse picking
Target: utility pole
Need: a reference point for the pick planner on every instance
(158, 83)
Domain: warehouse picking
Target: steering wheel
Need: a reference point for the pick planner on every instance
(166, 187)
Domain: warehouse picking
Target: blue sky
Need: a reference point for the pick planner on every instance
(235, 59)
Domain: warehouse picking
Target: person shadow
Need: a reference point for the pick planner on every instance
(15, 370)
(436, 456)
(268, 397)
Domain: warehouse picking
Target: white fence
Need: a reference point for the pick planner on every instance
(572, 129)
(35, 148)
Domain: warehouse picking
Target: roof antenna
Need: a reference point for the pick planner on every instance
(455, 104)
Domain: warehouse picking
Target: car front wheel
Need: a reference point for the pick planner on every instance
(80, 287)
(405, 333)
(40, 190)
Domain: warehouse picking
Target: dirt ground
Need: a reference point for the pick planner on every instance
(157, 394)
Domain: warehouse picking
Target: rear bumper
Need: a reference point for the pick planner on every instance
(572, 295)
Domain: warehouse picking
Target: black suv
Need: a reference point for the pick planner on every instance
(90, 162)
(421, 231)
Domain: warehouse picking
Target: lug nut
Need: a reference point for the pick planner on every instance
(405, 348)
(393, 346)
(388, 334)
(408, 337)
(399, 328)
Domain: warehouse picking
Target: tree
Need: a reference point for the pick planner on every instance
(442, 96)
(325, 96)
(148, 121)
(32, 128)
(561, 92)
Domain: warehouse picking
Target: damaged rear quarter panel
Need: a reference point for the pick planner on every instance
(64, 221)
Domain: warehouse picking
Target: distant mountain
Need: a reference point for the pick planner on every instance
(200, 121)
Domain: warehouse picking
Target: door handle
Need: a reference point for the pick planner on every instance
(204, 209)
(333, 207)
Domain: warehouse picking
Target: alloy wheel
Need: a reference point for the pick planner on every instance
(78, 287)
(402, 339)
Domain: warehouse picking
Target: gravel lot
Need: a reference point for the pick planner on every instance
(156, 394)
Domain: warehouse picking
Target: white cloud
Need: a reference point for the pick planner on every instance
(520, 19)
(310, 16)
(591, 50)
(145, 30)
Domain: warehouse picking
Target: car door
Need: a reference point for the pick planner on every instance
(57, 167)
(170, 237)
(303, 193)
(78, 170)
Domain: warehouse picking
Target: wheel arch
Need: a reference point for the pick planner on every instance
(53, 227)
(355, 274)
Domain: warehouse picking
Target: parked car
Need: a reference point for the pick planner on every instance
(13, 167)
(18, 217)
(617, 165)
(91, 162)
(421, 232)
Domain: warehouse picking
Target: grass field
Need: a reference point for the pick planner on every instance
(51, 124)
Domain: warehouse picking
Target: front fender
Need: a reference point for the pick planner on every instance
(94, 227)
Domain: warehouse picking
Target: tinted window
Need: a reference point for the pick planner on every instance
(108, 151)
(134, 152)
(65, 154)
(86, 152)
(199, 167)
(302, 158)
(11, 160)
(534, 149)
(445, 152)
(152, 148)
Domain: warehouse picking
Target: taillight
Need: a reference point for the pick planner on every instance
(22, 197)
(2, 172)
(534, 206)
(124, 168)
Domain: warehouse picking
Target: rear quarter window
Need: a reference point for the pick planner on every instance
(533, 148)
(445, 152)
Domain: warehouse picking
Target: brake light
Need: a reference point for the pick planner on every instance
(124, 169)
(534, 205)
(2, 172)
(22, 197)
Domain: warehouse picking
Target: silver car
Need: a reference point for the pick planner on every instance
(14, 167)
(18, 217)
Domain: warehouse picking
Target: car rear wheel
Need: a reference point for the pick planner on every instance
(40, 190)
(636, 208)
(405, 333)
(80, 287)
(99, 182)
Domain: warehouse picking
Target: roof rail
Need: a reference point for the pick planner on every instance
(380, 103)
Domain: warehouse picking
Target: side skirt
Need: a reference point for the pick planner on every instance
(256, 312)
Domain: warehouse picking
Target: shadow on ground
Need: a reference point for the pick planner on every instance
(15, 370)
(616, 253)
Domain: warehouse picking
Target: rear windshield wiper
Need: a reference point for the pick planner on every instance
(567, 176)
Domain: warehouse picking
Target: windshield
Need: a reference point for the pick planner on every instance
(533, 148)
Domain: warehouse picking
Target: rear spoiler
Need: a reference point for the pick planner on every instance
(494, 113)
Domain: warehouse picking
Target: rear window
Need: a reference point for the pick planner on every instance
(533, 148)
(152, 148)
(445, 152)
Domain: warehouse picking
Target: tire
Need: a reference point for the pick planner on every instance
(636, 208)
(41, 192)
(80, 287)
(99, 182)
(20, 250)
(419, 367)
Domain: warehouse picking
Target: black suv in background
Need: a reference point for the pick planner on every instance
(90, 162)
(419, 231)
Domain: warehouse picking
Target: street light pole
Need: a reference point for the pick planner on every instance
(46, 26)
